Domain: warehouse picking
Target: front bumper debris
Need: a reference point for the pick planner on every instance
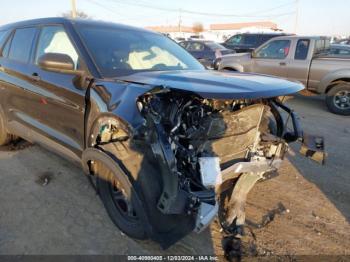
(313, 147)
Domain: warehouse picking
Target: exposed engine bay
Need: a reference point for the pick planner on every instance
(205, 145)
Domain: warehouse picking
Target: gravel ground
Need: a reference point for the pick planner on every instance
(303, 211)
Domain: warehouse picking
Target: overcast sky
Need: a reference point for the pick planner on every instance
(325, 17)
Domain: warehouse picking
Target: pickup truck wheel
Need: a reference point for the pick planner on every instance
(5, 137)
(338, 99)
(119, 198)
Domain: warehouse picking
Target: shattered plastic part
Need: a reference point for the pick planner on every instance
(205, 216)
(210, 171)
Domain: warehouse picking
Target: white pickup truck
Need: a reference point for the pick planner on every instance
(303, 59)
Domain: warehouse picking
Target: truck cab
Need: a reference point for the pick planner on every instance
(299, 58)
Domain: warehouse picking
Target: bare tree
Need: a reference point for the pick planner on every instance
(197, 27)
(80, 14)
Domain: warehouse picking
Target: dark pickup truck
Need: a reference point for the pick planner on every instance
(247, 42)
(166, 143)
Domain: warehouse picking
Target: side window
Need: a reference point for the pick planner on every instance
(277, 49)
(3, 35)
(21, 44)
(236, 40)
(251, 40)
(183, 44)
(195, 46)
(6, 49)
(344, 52)
(264, 39)
(302, 49)
(54, 39)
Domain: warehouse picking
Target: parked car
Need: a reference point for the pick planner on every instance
(196, 37)
(246, 43)
(162, 140)
(343, 41)
(205, 51)
(180, 39)
(338, 49)
(305, 59)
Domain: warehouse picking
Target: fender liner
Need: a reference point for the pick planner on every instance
(162, 228)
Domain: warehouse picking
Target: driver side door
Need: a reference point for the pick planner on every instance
(272, 58)
(62, 102)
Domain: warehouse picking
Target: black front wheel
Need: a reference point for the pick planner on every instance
(338, 99)
(119, 198)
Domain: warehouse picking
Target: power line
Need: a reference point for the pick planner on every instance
(114, 11)
(273, 8)
(141, 4)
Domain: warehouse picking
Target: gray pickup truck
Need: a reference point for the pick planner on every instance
(303, 59)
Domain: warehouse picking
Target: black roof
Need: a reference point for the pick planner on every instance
(63, 20)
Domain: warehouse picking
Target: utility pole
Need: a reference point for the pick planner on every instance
(74, 9)
(180, 21)
(296, 16)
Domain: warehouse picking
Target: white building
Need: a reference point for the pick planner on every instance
(217, 32)
(222, 31)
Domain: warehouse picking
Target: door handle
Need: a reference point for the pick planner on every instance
(36, 77)
(283, 63)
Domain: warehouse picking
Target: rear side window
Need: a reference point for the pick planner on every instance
(21, 44)
(251, 40)
(302, 49)
(265, 38)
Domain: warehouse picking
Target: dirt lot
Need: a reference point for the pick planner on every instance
(304, 211)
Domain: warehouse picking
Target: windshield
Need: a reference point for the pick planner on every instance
(119, 52)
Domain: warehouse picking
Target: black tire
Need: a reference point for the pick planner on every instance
(5, 137)
(111, 182)
(338, 99)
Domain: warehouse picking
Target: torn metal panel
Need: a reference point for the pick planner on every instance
(236, 205)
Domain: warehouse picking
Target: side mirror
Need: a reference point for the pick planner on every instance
(57, 63)
(62, 63)
(253, 54)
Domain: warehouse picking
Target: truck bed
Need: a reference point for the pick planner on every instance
(322, 65)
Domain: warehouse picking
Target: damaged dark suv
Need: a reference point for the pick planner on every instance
(167, 144)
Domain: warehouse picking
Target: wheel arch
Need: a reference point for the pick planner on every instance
(233, 67)
(336, 82)
(333, 78)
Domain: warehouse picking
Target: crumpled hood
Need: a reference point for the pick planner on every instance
(217, 85)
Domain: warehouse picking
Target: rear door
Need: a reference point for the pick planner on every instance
(19, 105)
(272, 58)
